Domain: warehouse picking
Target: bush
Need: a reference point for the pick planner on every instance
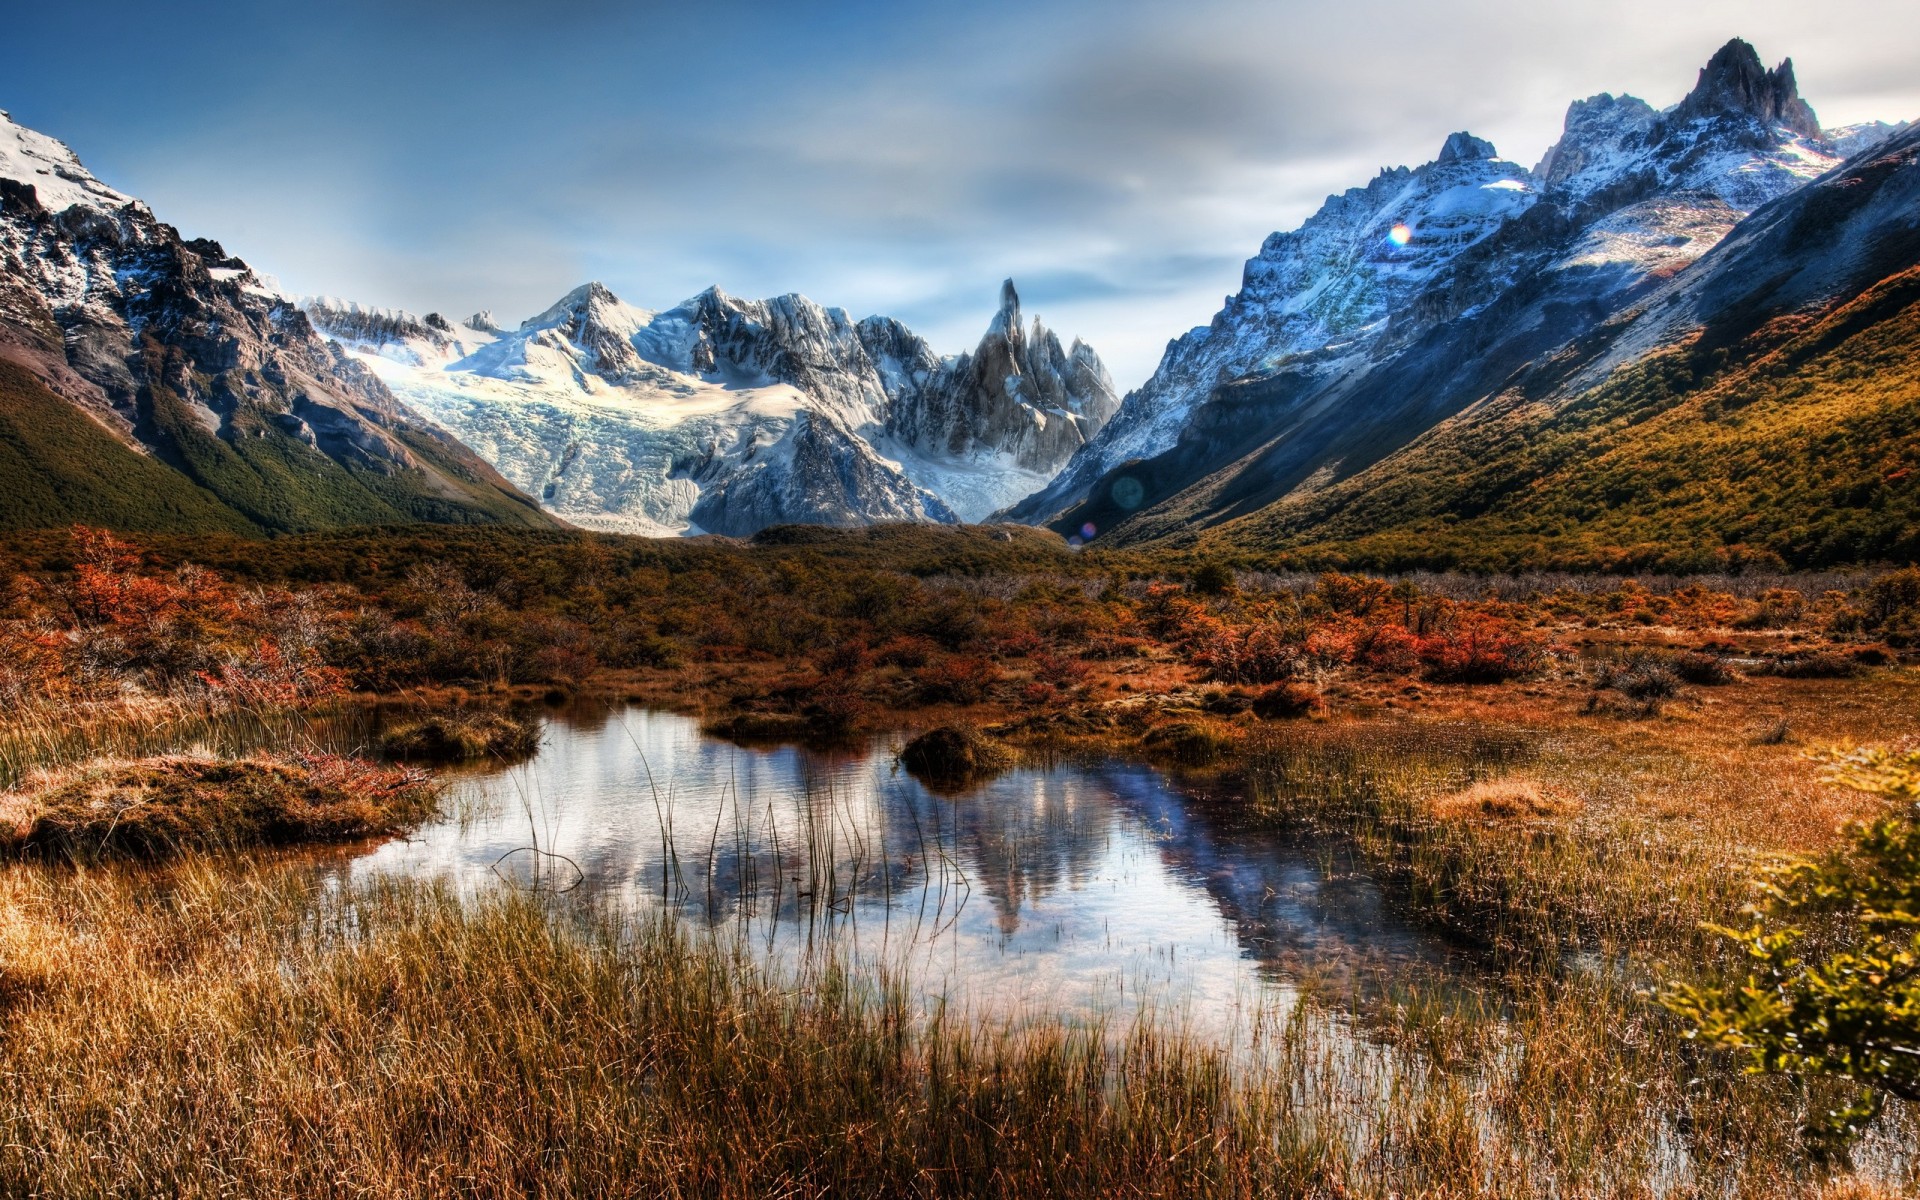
(1847, 1004)
(1213, 579)
(1478, 648)
(1639, 675)
(956, 679)
(1389, 648)
(1250, 654)
(1777, 608)
(1892, 608)
(1817, 664)
(1286, 701)
(1705, 670)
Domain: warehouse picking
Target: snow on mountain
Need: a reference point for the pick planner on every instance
(1331, 283)
(723, 415)
(1627, 197)
(54, 171)
(185, 355)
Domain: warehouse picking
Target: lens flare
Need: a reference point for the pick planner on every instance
(1400, 235)
(1087, 531)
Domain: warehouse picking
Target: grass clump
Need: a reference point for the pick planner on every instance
(155, 807)
(1501, 800)
(950, 756)
(1187, 744)
(462, 737)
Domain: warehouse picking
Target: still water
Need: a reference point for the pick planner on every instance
(1074, 889)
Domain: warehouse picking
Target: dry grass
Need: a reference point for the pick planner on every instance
(209, 1031)
(1501, 800)
(156, 807)
(462, 737)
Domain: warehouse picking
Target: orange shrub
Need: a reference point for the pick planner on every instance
(1480, 648)
(956, 679)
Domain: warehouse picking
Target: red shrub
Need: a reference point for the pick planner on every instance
(956, 679)
(1060, 670)
(910, 652)
(1479, 648)
(1390, 648)
(1250, 654)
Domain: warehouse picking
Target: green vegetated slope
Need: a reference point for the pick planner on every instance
(58, 466)
(1799, 441)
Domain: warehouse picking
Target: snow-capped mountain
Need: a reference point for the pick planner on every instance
(1627, 197)
(184, 357)
(723, 415)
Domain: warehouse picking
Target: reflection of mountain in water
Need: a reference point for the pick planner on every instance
(1029, 834)
(1038, 881)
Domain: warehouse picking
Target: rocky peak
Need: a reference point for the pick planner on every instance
(1007, 320)
(1735, 82)
(484, 322)
(1464, 147)
(1594, 127)
(599, 324)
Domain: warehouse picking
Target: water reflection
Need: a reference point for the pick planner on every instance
(1069, 889)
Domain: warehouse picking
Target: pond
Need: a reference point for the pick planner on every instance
(1076, 889)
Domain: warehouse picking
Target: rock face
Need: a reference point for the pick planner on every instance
(185, 356)
(1401, 303)
(1735, 83)
(723, 415)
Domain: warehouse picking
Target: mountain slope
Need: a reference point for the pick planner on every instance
(59, 466)
(1629, 198)
(723, 415)
(1765, 406)
(184, 358)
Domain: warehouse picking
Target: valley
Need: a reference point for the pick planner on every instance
(1448, 732)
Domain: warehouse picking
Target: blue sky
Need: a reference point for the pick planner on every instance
(1119, 159)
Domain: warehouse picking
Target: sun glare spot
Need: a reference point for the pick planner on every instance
(1400, 235)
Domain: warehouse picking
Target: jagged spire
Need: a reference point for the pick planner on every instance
(1735, 81)
(1464, 147)
(1007, 320)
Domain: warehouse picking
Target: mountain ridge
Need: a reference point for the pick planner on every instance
(1627, 199)
(727, 415)
(184, 358)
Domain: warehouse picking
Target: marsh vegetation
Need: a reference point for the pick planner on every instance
(1535, 791)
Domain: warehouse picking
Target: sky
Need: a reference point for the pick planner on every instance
(1120, 159)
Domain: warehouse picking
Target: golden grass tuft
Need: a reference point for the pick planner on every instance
(155, 807)
(1506, 799)
(462, 737)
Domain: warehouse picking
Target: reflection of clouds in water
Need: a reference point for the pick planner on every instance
(1071, 889)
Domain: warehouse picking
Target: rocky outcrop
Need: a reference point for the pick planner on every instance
(1735, 83)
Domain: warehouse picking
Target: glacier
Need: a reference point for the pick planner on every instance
(722, 415)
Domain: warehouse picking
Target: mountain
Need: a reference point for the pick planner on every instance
(151, 382)
(1762, 407)
(1399, 305)
(724, 415)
